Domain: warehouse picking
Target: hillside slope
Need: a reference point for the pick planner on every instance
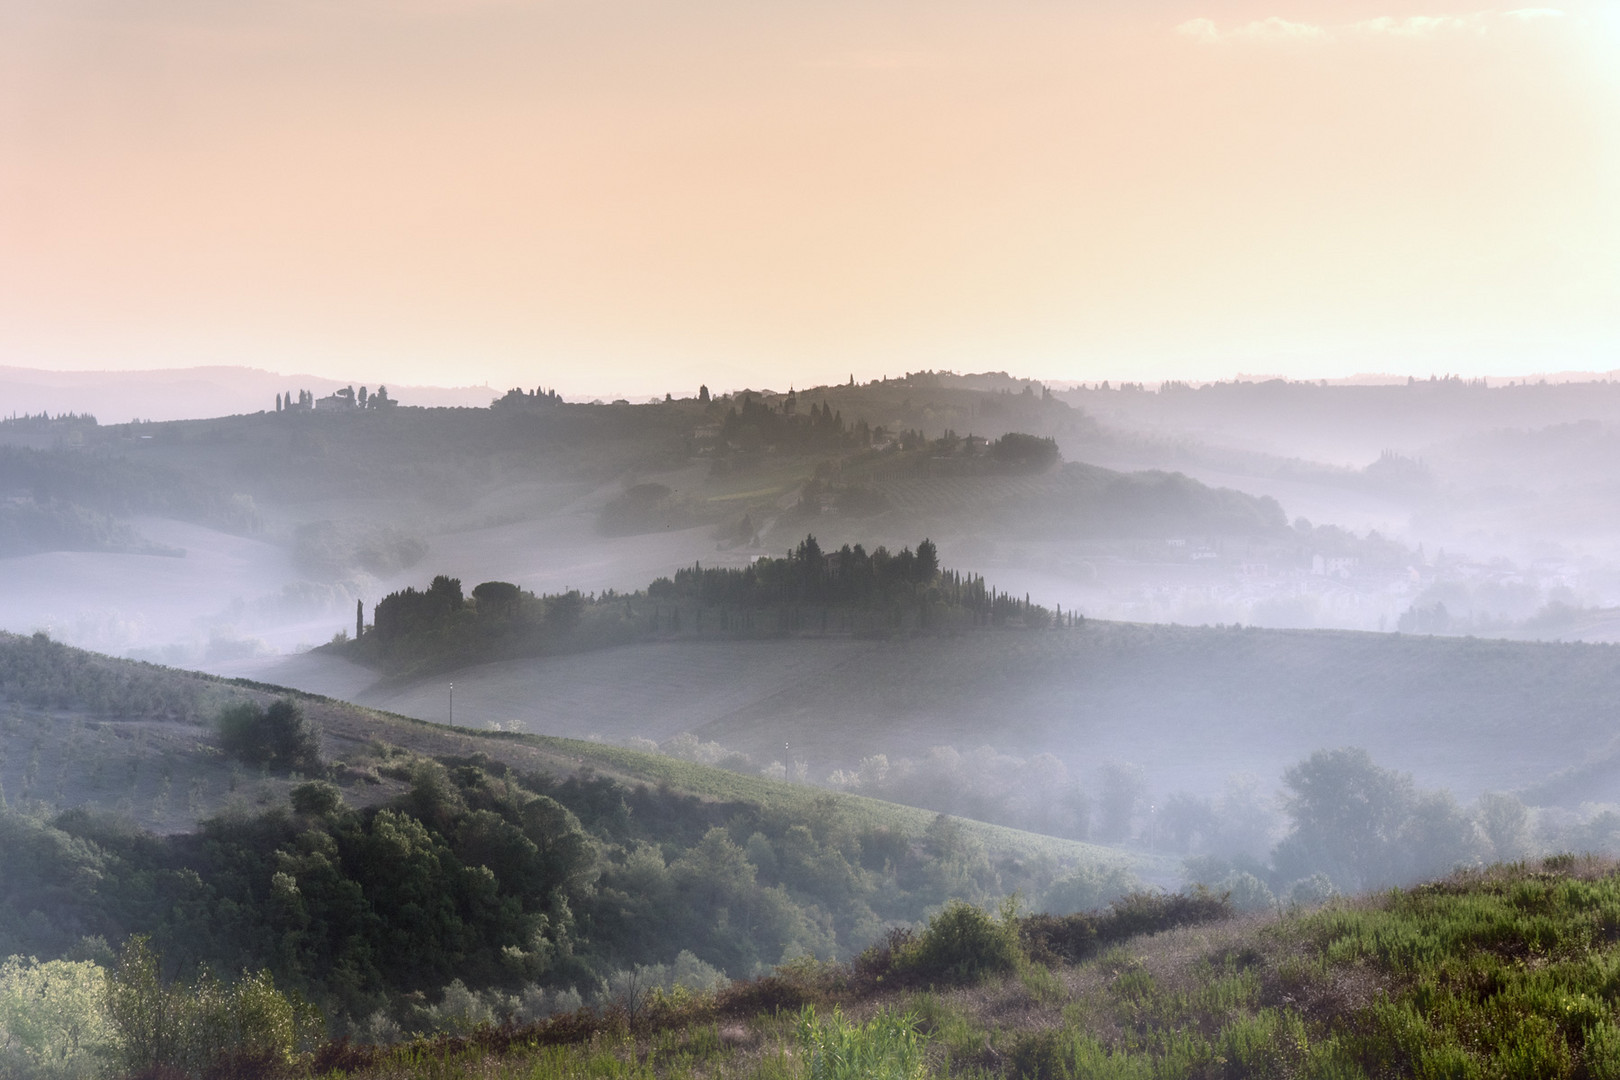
(1504, 973)
(364, 857)
(1191, 704)
(83, 730)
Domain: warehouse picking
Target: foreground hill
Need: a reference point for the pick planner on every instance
(363, 857)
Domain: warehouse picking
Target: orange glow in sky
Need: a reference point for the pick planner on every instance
(637, 195)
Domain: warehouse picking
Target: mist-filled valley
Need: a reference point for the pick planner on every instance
(821, 541)
(548, 715)
(1436, 507)
(1128, 579)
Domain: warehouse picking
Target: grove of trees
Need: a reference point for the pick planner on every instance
(805, 591)
(502, 882)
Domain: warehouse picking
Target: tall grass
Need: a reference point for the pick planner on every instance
(885, 1047)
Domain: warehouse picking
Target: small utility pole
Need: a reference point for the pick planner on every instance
(452, 704)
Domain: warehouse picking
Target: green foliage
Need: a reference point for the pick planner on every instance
(72, 490)
(410, 612)
(507, 882)
(48, 674)
(962, 944)
(202, 1025)
(1364, 826)
(1470, 1005)
(1347, 812)
(1017, 452)
(1086, 887)
(808, 590)
(1071, 938)
(1505, 974)
(52, 1024)
(514, 882)
(885, 1047)
(280, 737)
(1246, 892)
(316, 798)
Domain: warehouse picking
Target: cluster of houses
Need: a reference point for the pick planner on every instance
(341, 400)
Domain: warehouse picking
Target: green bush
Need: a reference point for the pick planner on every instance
(1072, 938)
(963, 944)
(200, 1027)
(51, 1021)
(280, 737)
(316, 798)
(1039, 1055)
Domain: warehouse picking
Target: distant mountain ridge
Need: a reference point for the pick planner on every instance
(117, 397)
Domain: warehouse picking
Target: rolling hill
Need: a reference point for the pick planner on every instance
(1190, 704)
(127, 806)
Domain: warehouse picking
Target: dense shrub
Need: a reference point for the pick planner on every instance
(51, 1021)
(1150, 913)
(766, 994)
(1070, 938)
(512, 883)
(203, 1027)
(280, 737)
(316, 798)
(1040, 1055)
(882, 957)
(962, 944)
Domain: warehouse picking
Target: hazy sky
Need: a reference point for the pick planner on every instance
(639, 195)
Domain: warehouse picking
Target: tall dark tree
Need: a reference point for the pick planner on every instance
(279, 737)
(497, 598)
(446, 591)
(927, 565)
